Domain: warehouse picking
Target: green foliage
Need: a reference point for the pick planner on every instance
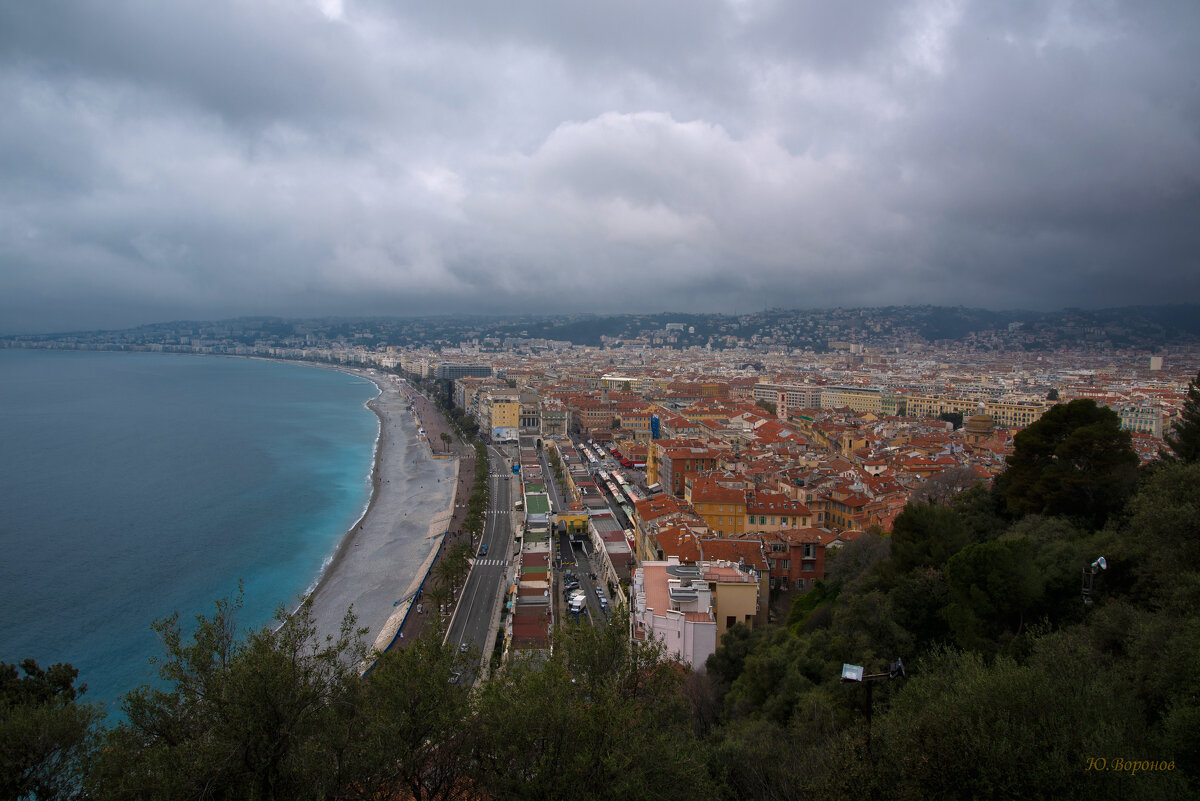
(603, 717)
(267, 716)
(413, 729)
(918, 598)
(965, 727)
(1184, 437)
(803, 607)
(953, 418)
(46, 733)
(1014, 685)
(1074, 461)
(926, 535)
(1166, 514)
(727, 662)
(853, 565)
(993, 586)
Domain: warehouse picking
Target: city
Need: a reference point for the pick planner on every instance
(627, 463)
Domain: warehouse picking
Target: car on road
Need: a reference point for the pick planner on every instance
(483, 549)
(464, 646)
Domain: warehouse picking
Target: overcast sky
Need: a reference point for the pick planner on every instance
(213, 158)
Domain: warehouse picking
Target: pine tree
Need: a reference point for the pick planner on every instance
(1184, 437)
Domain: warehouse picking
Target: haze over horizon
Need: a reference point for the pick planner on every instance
(207, 160)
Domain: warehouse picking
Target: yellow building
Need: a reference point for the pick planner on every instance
(1006, 413)
(722, 506)
(858, 399)
(736, 594)
(505, 413)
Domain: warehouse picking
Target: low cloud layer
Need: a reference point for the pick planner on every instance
(218, 158)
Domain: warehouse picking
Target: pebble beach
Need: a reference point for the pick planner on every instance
(380, 562)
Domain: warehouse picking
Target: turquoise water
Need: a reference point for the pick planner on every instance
(136, 485)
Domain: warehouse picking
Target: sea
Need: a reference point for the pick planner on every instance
(134, 486)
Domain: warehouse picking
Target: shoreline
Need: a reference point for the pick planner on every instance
(383, 558)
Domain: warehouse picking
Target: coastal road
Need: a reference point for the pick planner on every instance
(489, 575)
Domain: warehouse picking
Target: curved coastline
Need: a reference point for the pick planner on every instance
(382, 559)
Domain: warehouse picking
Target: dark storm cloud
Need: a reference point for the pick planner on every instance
(204, 159)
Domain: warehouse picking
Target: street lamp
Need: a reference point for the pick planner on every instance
(1089, 577)
(855, 673)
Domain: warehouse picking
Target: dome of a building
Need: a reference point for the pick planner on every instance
(981, 425)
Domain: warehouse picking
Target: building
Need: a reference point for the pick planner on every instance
(722, 505)
(672, 603)
(1005, 413)
(1143, 419)
(788, 397)
(670, 463)
(453, 371)
(797, 557)
(554, 417)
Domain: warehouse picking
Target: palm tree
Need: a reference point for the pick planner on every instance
(439, 595)
(446, 572)
(445, 440)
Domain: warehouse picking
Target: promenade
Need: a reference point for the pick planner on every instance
(429, 417)
(382, 558)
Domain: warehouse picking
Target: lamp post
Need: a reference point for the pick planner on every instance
(855, 673)
(1089, 577)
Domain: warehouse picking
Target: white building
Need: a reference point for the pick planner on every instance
(673, 604)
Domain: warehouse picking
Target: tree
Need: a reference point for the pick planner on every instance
(445, 440)
(953, 418)
(414, 724)
(46, 733)
(602, 717)
(942, 487)
(767, 406)
(439, 595)
(267, 716)
(1074, 461)
(964, 726)
(993, 585)
(1184, 437)
(926, 535)
(1052, 395)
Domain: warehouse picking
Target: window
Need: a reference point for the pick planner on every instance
(810, 551)
(786, 564)
(799, 584)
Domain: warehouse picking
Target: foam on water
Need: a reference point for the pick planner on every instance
(137, 485)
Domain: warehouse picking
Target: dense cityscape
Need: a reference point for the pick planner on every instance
(706, 519)
(480, 401)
